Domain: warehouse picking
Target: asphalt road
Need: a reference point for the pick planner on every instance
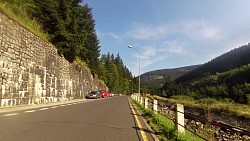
(109, 119)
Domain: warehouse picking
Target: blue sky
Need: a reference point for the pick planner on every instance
(170, 33)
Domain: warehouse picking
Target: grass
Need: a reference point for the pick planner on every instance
(228, 106)
(18, 13)
(164, 127)
(81, 63)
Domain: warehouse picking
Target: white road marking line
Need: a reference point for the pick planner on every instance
(54, 107)
(43, 109)
(62, 105)
(31, 111)
(69, 104)
(12, 114)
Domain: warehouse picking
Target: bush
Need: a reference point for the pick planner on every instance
(207, 101)
(248, 99)
(147, 113)
(182, 97)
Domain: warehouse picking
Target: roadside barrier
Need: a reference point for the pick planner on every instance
(200, 125)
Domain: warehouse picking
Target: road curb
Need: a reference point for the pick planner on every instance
(25, 107)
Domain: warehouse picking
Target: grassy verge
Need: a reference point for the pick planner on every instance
(230, 107)
(164, 127)
(17, 12)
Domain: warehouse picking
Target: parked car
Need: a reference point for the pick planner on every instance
(104, 93)
(108, 93)
(93, 94)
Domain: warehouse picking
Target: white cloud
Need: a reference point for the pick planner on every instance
(110, 34)
(148, 52)
(189, 28)
(145, 62)
(199, 29)
(210, 33)
(115, 36)
(173, 47)
(176, 49)
(144, 32)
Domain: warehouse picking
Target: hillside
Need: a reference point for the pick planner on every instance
(231, 85)
(157, 77)
(230, 60)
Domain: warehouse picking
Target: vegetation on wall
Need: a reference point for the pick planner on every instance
(18, 11)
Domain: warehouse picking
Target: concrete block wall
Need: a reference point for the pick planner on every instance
(31, 71)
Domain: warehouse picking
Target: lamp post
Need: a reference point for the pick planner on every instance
(139, 90)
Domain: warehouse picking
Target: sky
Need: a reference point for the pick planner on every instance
(169, 34)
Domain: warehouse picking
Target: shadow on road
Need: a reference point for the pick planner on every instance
(142, 129)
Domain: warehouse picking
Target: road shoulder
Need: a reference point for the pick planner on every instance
(142, 121)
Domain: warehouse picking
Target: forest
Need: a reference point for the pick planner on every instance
(233, 59)
(70, 27)
(225, 78)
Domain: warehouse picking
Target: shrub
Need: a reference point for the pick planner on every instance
(248, 99)
(207, 101)
(182, 97)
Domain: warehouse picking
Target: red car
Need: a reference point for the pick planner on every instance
(104, 93)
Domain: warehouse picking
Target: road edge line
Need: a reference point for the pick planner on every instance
(143, 134)
(148, 126)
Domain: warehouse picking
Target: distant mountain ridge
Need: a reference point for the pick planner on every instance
(157, 77)
(230, 60)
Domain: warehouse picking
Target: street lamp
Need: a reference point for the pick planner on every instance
(139, 90)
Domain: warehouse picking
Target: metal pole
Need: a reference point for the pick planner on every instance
(139, 89)
(139, 74)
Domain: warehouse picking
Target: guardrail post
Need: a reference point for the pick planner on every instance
(146, 102)
(155, 107)
(141, 100)
(179, 117)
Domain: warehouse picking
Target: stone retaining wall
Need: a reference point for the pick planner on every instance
(31, 71)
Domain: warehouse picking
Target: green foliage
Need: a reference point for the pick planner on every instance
(147, 112)
(64, 21)
(231, 60)
(233, 84)
(182, 97)
(169, 88)
(81, 63)
(248, 99)
(19, 11)
(207, 101)
(165, 125)
(115, 74)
